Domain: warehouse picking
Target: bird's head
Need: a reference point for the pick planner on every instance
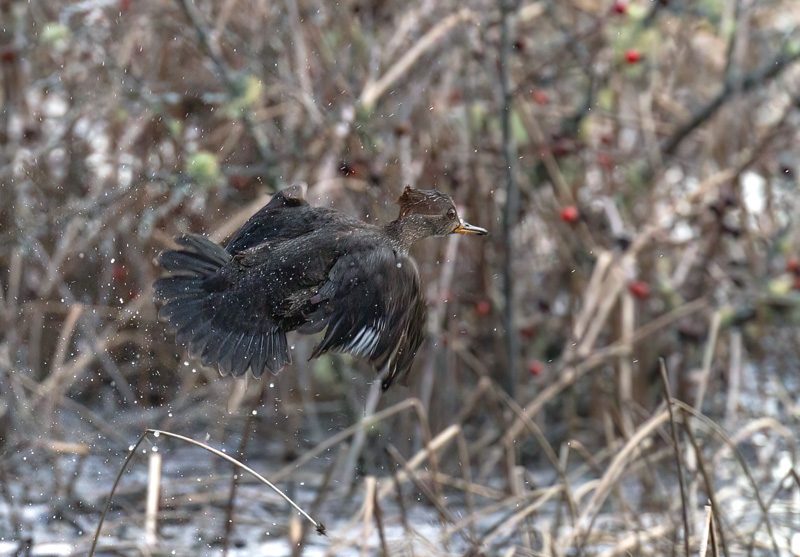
(433, 213)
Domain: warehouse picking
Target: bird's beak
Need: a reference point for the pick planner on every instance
(466, 228)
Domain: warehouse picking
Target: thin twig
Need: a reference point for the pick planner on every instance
(662, 366)
(128, 458)
(378, 512)
(318, 525)
(615, 469)
(240, 450)
(758, 78)
(544, 444)
(569, 375)
(374, 90)
(210, 46)
(511, 207)
(435, 501)
(708, 359)
(344, 434)
(708, 481)
(713, 426)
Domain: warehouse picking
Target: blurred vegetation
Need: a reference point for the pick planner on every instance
(655, 155)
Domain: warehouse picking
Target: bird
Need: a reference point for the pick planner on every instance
(294, 267)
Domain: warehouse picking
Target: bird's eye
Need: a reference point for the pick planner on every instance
(451, 214)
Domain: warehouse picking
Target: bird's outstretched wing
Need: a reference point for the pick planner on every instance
(376, 310)
(218, 308)
(222, 320)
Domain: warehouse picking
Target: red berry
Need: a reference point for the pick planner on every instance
(569, 214)
(402, 128)
(456, 96)
(620, 7)
(633, 56)
(639, 289)
(238, 181)
(796, 285)
(604, 159)
(8, 55)
(535, 367)
(528, 332)
(793, 265)
(119, 272)
(540, 97)
(483, 308)
(561, 147)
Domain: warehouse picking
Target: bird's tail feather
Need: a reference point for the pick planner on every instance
(215, 328)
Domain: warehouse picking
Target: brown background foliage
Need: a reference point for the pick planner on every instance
(671, 127)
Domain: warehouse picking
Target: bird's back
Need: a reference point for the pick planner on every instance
(285, 219)
(296, 249)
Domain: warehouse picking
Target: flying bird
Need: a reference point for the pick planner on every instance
(293, 267)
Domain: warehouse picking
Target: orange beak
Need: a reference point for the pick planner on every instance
(466, 228)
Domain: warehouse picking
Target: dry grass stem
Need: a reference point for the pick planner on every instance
(373, 90)
(616, 467)
(320, 528)
(708, 358)
(687, 532)
(153, 492)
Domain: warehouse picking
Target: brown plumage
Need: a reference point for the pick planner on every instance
(296, 267)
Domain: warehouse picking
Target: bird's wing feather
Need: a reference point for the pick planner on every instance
(210, 301)
(377, 310)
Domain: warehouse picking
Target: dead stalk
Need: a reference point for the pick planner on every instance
(375, 89)
(153, 491)
(320, 528)
(677, 448)
(615, 469)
